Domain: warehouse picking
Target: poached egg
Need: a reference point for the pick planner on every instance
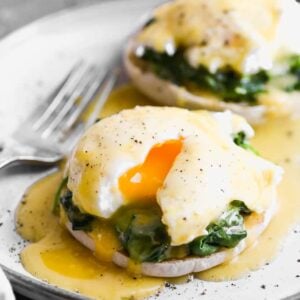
(186, 162)
(217, 33)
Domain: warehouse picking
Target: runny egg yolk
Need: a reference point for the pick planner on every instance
(143, 181)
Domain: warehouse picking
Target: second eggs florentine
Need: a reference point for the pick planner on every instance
(220, 54)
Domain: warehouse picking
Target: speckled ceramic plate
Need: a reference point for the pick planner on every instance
(32, 61)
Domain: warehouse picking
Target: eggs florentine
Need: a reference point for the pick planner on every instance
(220, 54)
(178, 170)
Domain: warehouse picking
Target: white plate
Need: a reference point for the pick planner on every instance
(6, 292)
(32, 61)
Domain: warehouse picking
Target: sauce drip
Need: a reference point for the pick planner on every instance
(60, 260)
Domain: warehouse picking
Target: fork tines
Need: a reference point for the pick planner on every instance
(61, 119)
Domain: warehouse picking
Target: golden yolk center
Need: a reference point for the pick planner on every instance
(143, 181)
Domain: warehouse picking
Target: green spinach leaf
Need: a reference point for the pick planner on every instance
(78, 219)
(201, 247)
(294, 70)
(230, 85)
(226, 232)
(55, 205)
(142, 233)
(240, 139)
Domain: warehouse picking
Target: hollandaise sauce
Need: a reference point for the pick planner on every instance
(56, 257)
(279, 141)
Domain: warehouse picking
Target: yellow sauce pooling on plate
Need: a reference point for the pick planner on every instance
(60, 260)
(279, 141)
(57, 258)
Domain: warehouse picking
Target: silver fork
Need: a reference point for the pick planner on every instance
(53, 128)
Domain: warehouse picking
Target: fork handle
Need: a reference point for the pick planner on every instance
(17, 153)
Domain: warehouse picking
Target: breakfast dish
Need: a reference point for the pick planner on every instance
(219, 55)
(74, 247)
(174, 189)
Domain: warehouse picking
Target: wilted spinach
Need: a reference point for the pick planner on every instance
(145, 238)
(240, 139)
(294, 70)
(226, 232)
(226, 83)
(142, 233)
(78, 219)
(61, 187)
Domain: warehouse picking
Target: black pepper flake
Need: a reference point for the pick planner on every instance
(297, 276)
(1, 224)
(263, 286)
(12, 249)
(184, 218)
(182, 15)
(203, 43)
(289, 133)
(298, 260)
(226, 42)
(170, 286)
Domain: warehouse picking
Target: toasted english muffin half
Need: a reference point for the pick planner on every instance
(255, 224)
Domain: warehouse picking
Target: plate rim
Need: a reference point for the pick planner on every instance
(25, 31)
(20, 282)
